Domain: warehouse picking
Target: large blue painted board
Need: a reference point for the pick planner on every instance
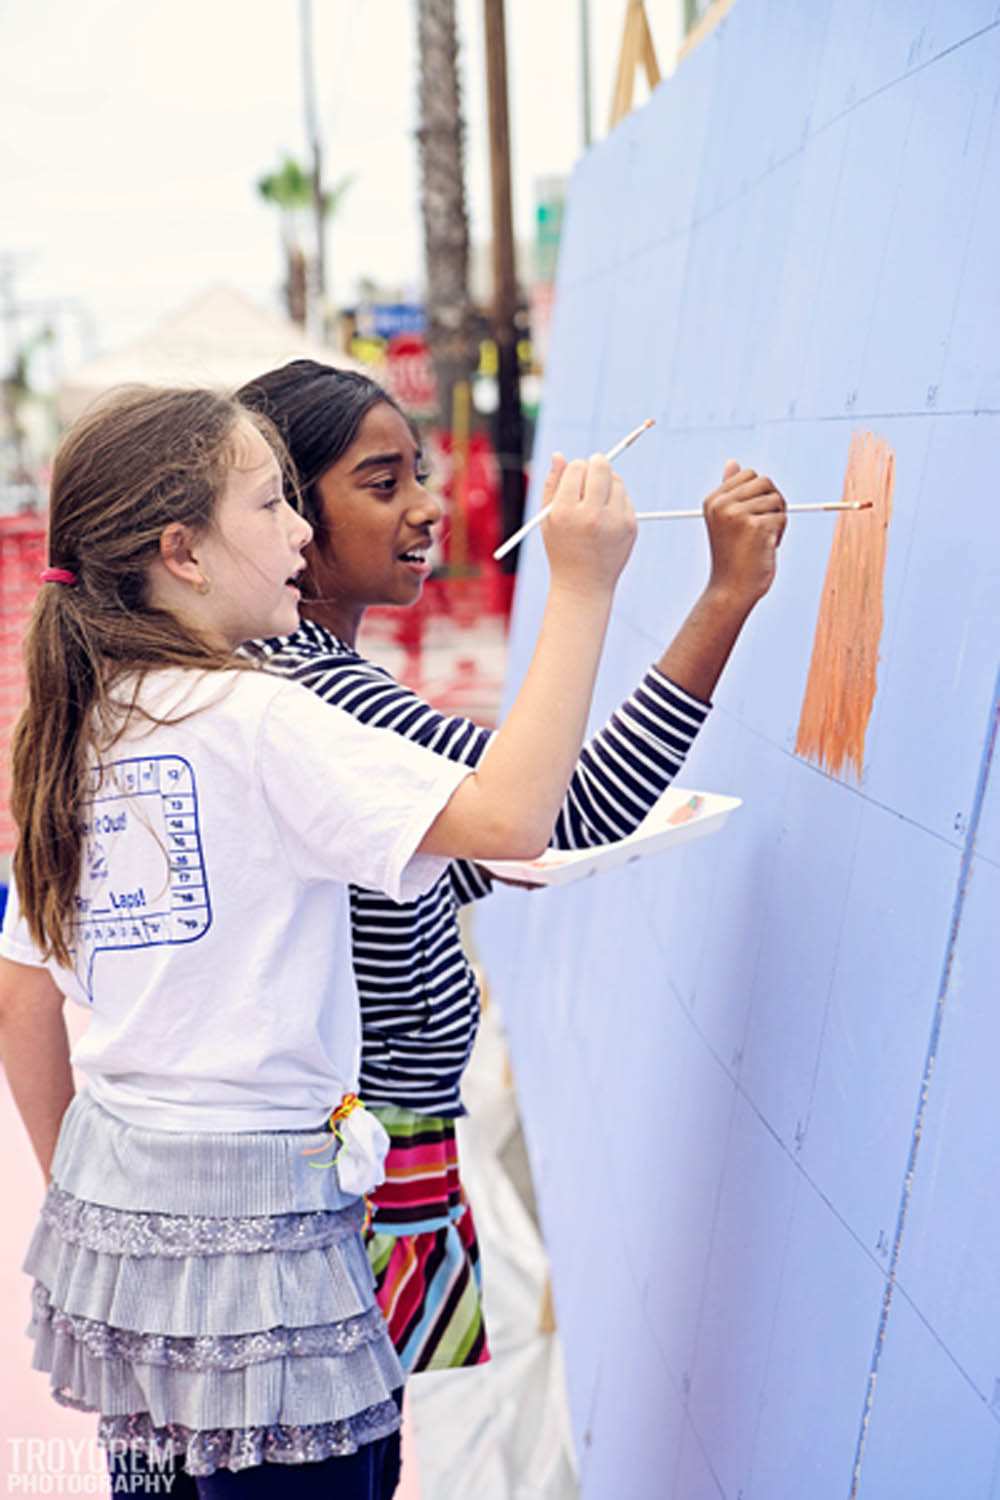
(759, 1076)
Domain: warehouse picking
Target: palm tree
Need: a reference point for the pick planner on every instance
(291, 191)
(17, 394)
(440, 140)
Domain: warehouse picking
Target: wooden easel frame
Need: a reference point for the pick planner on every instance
(715, 13)
(637, 48)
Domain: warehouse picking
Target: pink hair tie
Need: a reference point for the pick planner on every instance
(57, 575)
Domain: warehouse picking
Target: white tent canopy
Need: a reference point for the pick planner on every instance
(221, 339)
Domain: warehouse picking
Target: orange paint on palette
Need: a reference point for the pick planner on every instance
(840, 690)
(687, 810)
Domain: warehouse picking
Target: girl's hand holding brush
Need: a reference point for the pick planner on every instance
(745, 517)
(590, 528)
(746, 520)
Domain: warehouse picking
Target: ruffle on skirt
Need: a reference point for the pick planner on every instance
(230, 1448)
(191, 1386)
(226, 1293)
(230, 1341)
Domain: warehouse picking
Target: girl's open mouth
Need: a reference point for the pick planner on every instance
(416, 561)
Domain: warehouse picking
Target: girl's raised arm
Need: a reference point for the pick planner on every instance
(507, 808)
(745, 517)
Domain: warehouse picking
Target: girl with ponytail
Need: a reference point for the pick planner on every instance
(188, 827)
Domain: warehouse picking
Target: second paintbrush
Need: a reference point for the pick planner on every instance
(790, 510)
(611, 455)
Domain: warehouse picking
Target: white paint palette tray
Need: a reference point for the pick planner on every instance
(679, 816)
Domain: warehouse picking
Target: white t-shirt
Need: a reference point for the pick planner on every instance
(213, 945)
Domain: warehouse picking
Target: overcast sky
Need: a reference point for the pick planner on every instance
(132, 133)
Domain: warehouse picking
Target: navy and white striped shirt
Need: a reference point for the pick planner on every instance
(418, 994)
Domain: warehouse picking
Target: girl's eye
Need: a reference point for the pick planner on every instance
(422, 476)
(273, 504)
(384, 486)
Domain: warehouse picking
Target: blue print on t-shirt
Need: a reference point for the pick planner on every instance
(143, 882)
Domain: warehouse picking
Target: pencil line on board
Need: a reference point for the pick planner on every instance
(748, 188)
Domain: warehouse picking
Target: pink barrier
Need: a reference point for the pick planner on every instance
(22, 557)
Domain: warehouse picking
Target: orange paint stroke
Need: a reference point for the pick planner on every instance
(840, 690)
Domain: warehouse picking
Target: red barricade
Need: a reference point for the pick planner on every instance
(22, 557)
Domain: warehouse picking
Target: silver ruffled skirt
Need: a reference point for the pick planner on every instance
(209, 1295)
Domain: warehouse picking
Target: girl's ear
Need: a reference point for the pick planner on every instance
(177, 556)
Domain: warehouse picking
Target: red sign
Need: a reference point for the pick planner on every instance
(409, 373)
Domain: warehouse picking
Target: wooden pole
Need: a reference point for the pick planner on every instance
(697, 28)
(509, 431)
(585, 72)
(461, 407)
(317, 313)
(637, 48)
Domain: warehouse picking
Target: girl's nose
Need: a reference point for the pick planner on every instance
(302, 533)
(425, 509)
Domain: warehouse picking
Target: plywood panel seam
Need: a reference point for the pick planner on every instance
(749, 188)
(745, 192)
(973, 223)
(834, 963)
(765, 1377)
(906, 1192)
(720, 711)
(806, 1176)
(854, 417)
(688, 1375)
(887, 238)
(733, 1078)
(948, 1352)
(910, 73)
(703, 1448)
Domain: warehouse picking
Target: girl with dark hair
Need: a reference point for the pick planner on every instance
(361, 472)
(187, 826)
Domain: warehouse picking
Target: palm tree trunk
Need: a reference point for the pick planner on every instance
(297, 285)
(440, 139)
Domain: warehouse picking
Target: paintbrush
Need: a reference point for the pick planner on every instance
(670, 515)
(611, 455)
(790, 510)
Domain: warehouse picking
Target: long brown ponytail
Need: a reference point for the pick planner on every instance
(137, 461)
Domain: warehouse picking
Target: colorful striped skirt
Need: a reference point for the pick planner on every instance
(423, 1249)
